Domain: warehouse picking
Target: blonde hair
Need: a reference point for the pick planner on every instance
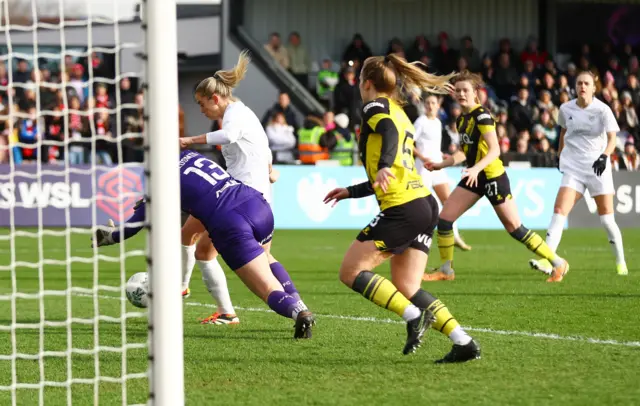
(395, 76)
(223, 82)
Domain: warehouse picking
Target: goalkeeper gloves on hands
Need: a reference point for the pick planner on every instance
(600, 164)
(104, 234)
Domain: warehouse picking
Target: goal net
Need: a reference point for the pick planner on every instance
(76, 151)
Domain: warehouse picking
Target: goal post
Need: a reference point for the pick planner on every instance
(166, 352)
(72, 158)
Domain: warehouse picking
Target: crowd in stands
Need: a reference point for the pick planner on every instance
(523, 89)
(78, 122)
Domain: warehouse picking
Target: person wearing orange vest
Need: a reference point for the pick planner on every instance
(309, 147)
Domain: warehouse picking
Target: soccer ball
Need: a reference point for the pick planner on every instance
(138, 289)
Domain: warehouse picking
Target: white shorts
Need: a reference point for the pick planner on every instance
(434, 178)
(596, 185)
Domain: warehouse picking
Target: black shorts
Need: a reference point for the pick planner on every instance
(400, 227)
(497, 190)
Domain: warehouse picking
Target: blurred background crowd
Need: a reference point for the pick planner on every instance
(523, 89)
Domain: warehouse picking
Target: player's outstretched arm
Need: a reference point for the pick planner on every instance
(352, 192)
(456, 158)
(109, 235)
(219, 137)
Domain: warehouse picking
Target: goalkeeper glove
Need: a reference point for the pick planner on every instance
(600, 164)
(104, 234)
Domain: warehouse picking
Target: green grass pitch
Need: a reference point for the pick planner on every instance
(587, 352)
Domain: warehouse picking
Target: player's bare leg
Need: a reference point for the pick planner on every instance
(605, 211)
(455, 206)
(257, 276)
(190, 233)
(443, 193)
(406, 275)
(508, 214)
(566, 199)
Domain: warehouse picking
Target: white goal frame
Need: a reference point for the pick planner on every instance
(165, 316)
(163, 182)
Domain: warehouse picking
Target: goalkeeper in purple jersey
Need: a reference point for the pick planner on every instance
(239, 222)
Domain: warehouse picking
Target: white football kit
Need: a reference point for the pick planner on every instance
(246, 150)
(584, 141)
(428, 140)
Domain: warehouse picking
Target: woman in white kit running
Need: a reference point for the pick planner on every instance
(587, 140)
(428, 142)
(245, 148)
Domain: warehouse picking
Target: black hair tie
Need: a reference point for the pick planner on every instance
(387, 59)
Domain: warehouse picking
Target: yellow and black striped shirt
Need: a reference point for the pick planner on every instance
(386, 141)
(471, 127)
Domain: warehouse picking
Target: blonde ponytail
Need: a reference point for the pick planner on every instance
(223, 82)
(394, 76)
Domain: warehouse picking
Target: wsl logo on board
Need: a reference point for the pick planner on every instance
(116, 187)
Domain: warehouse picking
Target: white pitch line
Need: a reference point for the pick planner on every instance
(528, 334)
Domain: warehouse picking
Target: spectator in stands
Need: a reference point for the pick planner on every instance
(329, 121)
(615, 70)
(127, 94)
(546, 104)
(419, 49)
(54, 131)
(470, 53)
(550, 68)
(487, 69)
(282, 106)
(309, 148)
(277, 51)
(326, 83)
(522, 150)
(628, 117)
(102, 98)
(22, 73)
(104, 143)
(282, 139)
(549, 127)
(524, 82)
(505, 77)
(29, 133)
(547, 156)
(395, 47)
(633, 67)
(347, 96)
(358, 50)
(445, 58)
(533, 54)
(563, 86)
(132, 142)
(340, 142)
(629, 160)
(548, 83)
(521, 112)
(299, 61)
(100, 68)
(77, 83)
(78, 125)
(609, 84)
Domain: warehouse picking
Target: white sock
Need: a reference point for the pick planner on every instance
(216, 283)
(459, 336)
(615, 237)
(554, 232)
(188, 262)
(411, 313)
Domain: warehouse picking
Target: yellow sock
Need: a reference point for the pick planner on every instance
(536, 244)
(446, 241)
(445, 322)
(381, 291)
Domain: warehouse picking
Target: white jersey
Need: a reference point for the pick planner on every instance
(586, 136)
(248, 157)
(428, 139)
